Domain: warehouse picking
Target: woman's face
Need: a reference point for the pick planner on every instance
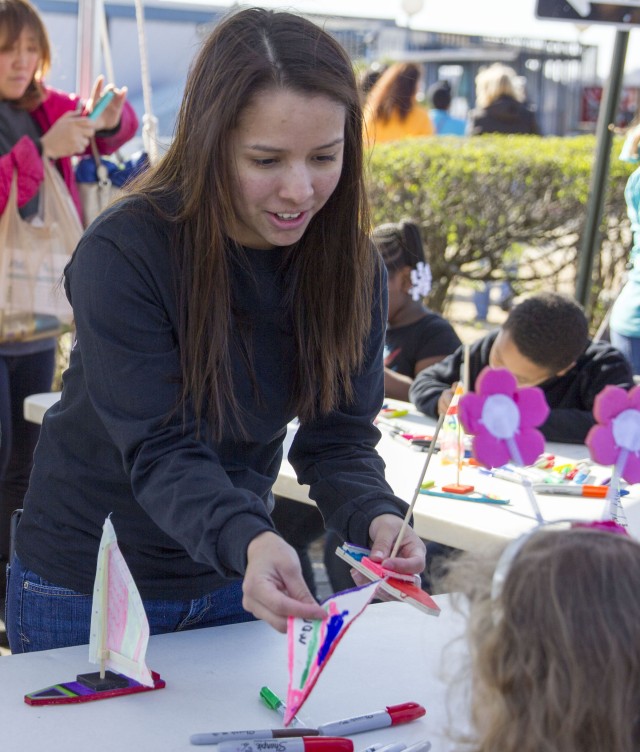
(287, 151)
(18, 63)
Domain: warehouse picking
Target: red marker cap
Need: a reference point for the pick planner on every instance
(406, 712)
(327, 744)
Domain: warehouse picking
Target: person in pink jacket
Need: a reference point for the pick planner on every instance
(37, 123)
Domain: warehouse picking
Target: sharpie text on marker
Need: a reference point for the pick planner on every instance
(216, 737)
(301, 744)
(393, 715)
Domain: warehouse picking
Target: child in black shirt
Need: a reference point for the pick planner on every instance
(416, 337)
(544, 342)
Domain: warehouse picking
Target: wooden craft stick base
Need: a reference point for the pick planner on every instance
(458, 488)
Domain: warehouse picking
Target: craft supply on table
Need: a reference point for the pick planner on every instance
(423, 746)
(396, 747)
(502, 417)
(407, 592)
(393, 412)
(474, 496)
(272, 701)
(217, 737)
(411, 436)
(392, 715)
(569, 489)
(119, 634)
(297, 744)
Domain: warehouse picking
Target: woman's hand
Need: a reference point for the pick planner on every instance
(69, 135)
(110, 117)
(411, 556)
(273, 586)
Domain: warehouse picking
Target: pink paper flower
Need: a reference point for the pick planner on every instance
(615, 439)
(503, 419)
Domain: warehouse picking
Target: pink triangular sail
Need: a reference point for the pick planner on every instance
(311, 642)
(119, 626)
(451, 434)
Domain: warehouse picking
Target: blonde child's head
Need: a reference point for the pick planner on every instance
(555, 652)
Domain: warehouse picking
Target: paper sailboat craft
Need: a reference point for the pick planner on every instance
(311, 642)
(118, 640)
(403, 588)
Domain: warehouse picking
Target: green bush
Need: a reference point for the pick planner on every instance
(493, 204)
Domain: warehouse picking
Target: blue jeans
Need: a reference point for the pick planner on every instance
(20, 376)
(629, 347)
(41, 615)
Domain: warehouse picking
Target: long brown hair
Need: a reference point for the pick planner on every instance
(330, 271)
(16, 15)
(394, 91)
(556, 659)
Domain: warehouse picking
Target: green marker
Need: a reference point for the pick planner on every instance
(273, 702)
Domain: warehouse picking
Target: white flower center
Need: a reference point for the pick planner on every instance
(500, 416)
(626, 430)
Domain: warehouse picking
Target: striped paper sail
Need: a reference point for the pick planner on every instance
(119, 626)
(311, 642)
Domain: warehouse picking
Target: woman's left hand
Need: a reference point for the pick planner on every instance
(110, 117)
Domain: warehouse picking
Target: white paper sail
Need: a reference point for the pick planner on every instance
(119, 626)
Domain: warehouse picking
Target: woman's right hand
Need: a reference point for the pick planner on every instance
(273, 585)
(69, 135)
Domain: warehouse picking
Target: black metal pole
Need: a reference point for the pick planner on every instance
(591, 236)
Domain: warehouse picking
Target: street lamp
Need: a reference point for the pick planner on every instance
(411, 7)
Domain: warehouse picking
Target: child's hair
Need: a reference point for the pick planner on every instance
(16, 15)
(330, 271)
(439, 95)
(496, 81)
(369, 77)
(549, 329)
(555, 659)
(394, 91)
(399, 244)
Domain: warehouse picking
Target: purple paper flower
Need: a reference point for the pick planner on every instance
(502, 419)
(615, 439)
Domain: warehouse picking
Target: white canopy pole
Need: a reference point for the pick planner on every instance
(87, 48)
(149, 122)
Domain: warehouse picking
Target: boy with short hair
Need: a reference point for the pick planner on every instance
(439, 95)
(544, 342)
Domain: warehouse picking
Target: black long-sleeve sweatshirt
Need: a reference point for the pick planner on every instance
(184, 508)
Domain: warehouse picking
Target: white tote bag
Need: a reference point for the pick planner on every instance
(33, 255)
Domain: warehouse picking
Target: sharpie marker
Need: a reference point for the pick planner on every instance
(397, 747)
(596, 492)
(502, 474)
(377, 748)
(301, 744)
(393, 715)
(423, 746)
(216, 737)
(272, 701)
